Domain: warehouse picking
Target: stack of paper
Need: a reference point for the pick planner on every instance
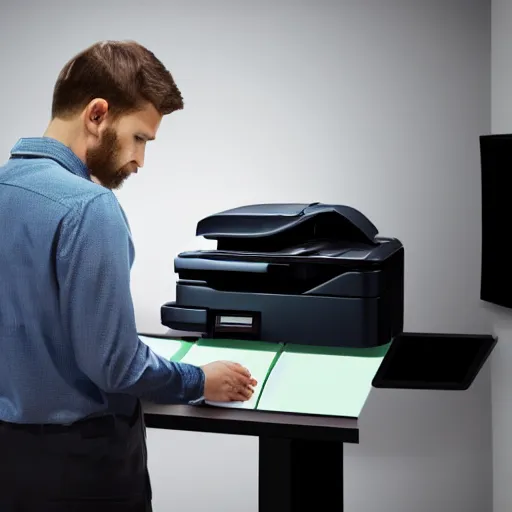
(168, 348)
(258, 357)
(324, 381)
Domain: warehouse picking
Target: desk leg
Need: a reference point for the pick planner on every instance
(297, 475)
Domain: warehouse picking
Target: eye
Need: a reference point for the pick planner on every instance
(139, 139)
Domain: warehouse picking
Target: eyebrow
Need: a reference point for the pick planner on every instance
(146, 136)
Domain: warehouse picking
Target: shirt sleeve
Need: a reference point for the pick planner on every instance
(93, 264)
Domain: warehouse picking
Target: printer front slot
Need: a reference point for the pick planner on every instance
(234, 324)
(294, 279)
(206, 264)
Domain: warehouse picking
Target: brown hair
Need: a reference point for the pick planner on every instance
(124, 73)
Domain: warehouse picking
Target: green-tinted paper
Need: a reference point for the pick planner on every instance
(168, 348)
(258, 357)
(325, 381)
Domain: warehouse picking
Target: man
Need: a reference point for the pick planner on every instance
(72, 368)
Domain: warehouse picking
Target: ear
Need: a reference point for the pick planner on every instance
(95, 115)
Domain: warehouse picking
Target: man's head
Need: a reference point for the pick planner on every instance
(107, 102)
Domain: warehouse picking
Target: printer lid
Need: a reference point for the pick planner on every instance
(268, 220)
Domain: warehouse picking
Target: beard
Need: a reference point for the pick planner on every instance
(102, 161)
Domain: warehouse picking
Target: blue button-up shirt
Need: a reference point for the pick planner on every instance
(68, 341)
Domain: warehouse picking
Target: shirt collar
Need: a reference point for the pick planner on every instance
(46, 147)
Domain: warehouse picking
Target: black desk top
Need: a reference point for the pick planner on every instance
(223, 420)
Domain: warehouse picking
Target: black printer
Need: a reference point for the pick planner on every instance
(314, 274)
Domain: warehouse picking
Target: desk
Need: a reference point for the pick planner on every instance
(300, 456)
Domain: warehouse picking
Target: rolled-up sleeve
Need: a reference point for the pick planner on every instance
(93, 264)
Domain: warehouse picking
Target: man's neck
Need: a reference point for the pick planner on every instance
(66, 133)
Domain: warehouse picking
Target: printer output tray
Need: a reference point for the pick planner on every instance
(317, 252)
(314, 269)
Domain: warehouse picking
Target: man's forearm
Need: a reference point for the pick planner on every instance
(161, 381)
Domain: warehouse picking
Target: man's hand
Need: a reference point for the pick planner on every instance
(226, 381)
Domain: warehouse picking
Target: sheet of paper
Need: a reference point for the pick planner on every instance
(164, 347)
(256, 356)
(331, 382)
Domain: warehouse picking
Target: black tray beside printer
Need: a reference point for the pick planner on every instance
(313, 274)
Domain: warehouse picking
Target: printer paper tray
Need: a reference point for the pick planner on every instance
(325, 249)
(348, 257)
(351, 254)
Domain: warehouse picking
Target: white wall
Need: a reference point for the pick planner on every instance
(377, 104)
(501, 318)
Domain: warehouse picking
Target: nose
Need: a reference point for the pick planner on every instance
(139, 160)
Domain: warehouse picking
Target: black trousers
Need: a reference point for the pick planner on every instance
(95, 465)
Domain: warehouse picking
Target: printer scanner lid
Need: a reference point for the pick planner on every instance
(268, 220)
(277, 232)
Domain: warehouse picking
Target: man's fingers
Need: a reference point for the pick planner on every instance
(238, 379)
(240, 391)
(242, 374)
(237, 367)
(241, 394)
